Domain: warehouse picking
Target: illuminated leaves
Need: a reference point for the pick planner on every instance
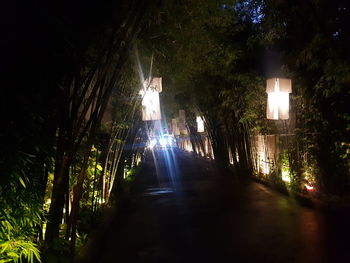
(22, 182)
(99, 167)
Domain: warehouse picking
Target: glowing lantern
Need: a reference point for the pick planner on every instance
(200, 124)
(174, 127)
(150, 99)
(278, 90)
(182, 122)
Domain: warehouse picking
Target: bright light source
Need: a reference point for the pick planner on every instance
(171, 141)
(278, 105)
(278, 90)
(150, 99)
(266, 169)
(163, 142)
(200, 124)
(285, 176)
(309, 187)
(152, 143)
(151, 106)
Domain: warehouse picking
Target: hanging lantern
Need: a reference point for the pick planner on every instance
(174, 127)
(182, 122)
(200, 124)
(278, 90)
(150, 99)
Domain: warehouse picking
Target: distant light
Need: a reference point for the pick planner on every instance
(171, 140)
(174, 127)
(163, 142)
(309, 187)
(182, 122)
(150, 99)
(286, 176)
(200, 124)
(152, 143)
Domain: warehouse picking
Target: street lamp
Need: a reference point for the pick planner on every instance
(278, 90)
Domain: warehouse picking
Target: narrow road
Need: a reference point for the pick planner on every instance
(193, 211)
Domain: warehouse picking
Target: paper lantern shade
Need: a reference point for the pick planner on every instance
(182, 121)
(155, 84)
(174, 127)
(151, 106)
(200, 124)
(278, 90)
(150, 99)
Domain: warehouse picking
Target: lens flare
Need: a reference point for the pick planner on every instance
(163, 142)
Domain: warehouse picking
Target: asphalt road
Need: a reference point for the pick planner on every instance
(192, 211)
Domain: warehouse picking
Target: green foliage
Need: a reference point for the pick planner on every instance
(17, 231)
(20, 215)
(130, 173)
(15, 250)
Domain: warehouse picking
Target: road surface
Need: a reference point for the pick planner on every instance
(190, 210)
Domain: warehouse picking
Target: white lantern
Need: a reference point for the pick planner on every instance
(182, 122)
(174, 127)
(150, 99)
(278, 90)
(200, 124)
